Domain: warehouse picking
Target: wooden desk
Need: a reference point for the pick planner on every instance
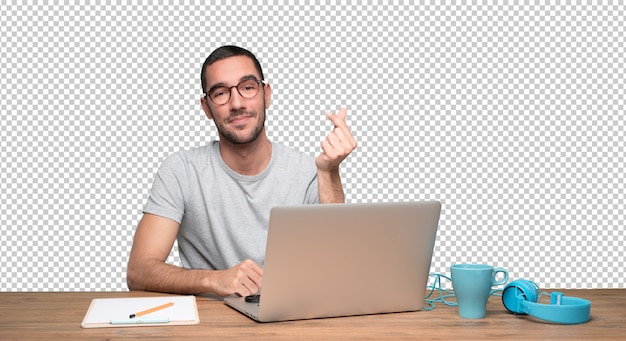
(57, 316)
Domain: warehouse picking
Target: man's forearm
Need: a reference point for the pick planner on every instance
(330, 187)
(161, 277)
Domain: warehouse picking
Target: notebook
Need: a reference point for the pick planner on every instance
(147, 311)
(333, 260)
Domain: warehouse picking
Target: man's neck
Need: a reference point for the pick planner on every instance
(247, 159)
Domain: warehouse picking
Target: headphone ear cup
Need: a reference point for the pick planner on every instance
(518, 291)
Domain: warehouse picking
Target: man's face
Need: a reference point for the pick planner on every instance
(240, 120)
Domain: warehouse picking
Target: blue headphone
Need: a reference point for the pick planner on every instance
(521, 296)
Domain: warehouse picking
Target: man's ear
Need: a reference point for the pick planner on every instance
(205, 107)
(268, 95)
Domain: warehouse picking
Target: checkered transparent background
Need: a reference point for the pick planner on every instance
(511, 115)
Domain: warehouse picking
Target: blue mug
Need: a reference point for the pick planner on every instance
(472, 285)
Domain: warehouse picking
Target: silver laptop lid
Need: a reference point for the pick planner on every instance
(347, 259)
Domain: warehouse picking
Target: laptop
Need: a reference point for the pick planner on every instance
(332, 260)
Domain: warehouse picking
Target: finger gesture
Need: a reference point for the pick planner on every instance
(338, 144)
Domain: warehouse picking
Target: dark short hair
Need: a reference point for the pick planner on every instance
(226, 52)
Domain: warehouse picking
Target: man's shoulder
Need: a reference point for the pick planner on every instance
(290, 158)
(192, 155)
(283, 150)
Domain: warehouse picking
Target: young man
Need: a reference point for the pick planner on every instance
(215, 200)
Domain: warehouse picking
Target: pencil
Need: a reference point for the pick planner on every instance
(151, 310)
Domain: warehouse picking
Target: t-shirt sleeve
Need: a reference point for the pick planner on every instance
(312, 195)
(166, 196)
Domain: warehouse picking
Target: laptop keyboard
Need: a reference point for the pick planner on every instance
(253, 298)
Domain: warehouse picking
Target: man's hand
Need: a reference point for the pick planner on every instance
(242, 279)
(337, 145)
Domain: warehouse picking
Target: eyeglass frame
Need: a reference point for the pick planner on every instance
(230, 89)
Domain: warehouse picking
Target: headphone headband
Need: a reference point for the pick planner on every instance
(520, 297)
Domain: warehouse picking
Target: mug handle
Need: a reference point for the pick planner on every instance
(503, 280)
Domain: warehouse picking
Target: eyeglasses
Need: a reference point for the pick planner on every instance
(247, 89)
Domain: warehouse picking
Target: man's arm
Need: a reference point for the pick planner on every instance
(335, 148)
(148, 271)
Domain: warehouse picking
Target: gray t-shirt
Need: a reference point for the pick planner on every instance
(224, 215)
